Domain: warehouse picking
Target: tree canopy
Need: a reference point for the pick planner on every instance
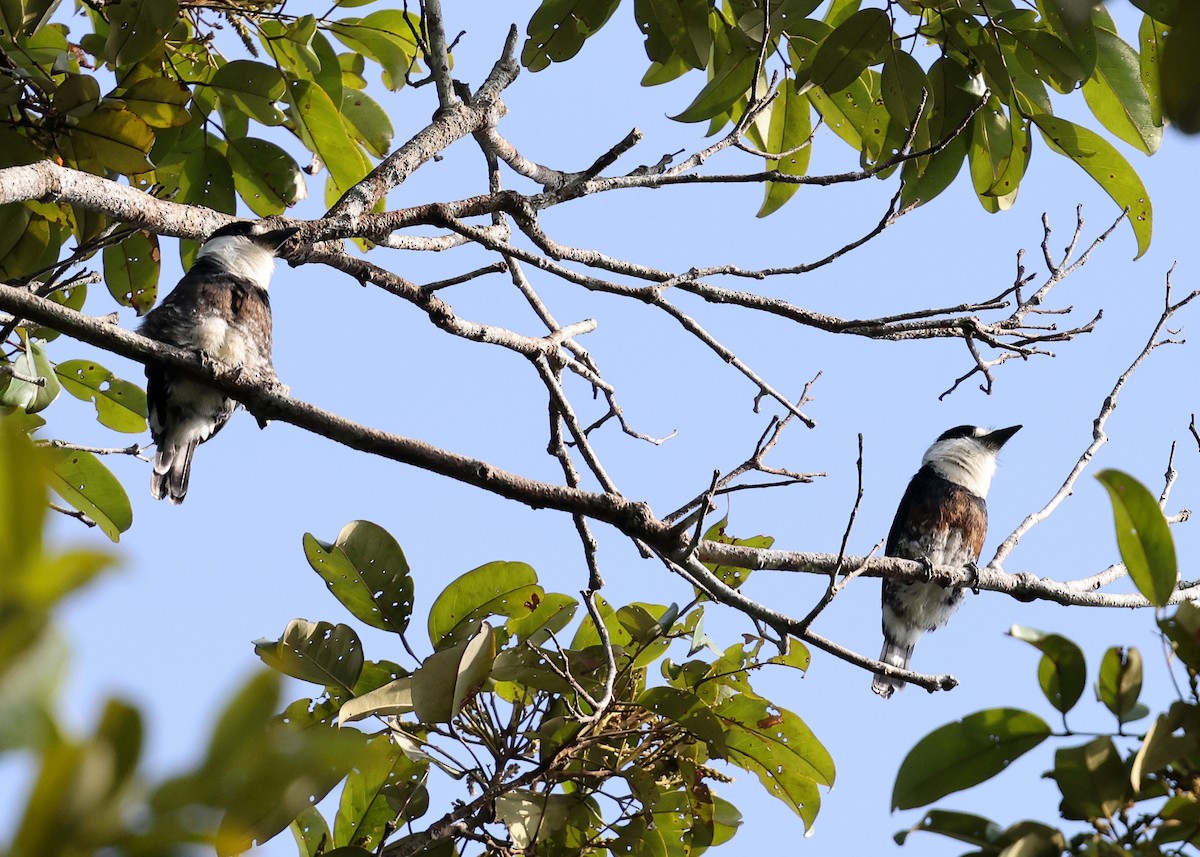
(571, 724)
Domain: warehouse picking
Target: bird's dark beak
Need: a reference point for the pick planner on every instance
(999, 437)
(276, 237)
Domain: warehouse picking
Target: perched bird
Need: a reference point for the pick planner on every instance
(220, 308)
(942, 520)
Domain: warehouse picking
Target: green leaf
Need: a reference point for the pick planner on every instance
(558, 29)
(1143, 536)
(311, 832)
(731, 79)
(1120, 682)
(1092, 779)
(131, 270)
(1062, 671)
(854, 45)
(448, 678)
(494, 589)
(266, 177)
(552, 613)
(1071, 21)
(965, 753)
(31, 363)
(250, 87)
(685, 25)
(533, 818)
(120, 405)
(1180, 73)
(688, 711)
(111, 139)
(1152, 37)
(964, 827)
(387, 37)
(790, 128)
(318, 652)
(365, 569)
(368, 122)
(1161, 10)
(207, 180)
(1162, 747)
(990, 150)
(323, 132)
(22, 505)
(1044, 56)
(776, 746)
(374, 794)
(846, 112)
(1117, 96)
(136, 28)
(394, 698)
(1103, 163)
(159, 101)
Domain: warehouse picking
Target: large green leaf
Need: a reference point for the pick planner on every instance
(964, 827)
(1071, 21)
(1152, 37)
(82, 480)
(850, 48)
(266, 177)
(1143, 536)
(319, 652)
(845, 112)
(1120, 683)
(558, 29)
(137, 27)
(965, 753)
(495, 589)
(731, 78)
(776, 746)
(368, 122)
(22, 504)
(1103, 163)
(207, 179)
(1062, 671)
(366, 570)
(320, 125)
(450, 677)
(31, 363)
(1180, 73)
(684, 23)
(387, 37)
(251, 87)
(160, 101)
(1092, 778)
(120, 404)
(110, 139)
(375, 794)
(790, 129)
(690, 712)
(131, 269)
(1117, 96)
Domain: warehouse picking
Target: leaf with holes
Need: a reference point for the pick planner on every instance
(319, 652)
(497, 589)
(366, 570)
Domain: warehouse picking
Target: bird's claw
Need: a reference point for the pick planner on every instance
(926, 569)
(972, 568)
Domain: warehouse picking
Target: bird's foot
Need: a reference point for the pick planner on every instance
(926, 569)
(972, 568)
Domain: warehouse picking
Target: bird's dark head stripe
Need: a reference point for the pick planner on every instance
(958, 431)
(245, 229)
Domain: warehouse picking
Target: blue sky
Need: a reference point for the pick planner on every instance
(172, 629)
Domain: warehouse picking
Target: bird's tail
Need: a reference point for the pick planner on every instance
(172, 468)
(895, 655)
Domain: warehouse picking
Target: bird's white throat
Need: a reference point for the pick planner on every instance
(963, 461)
(241, 257)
